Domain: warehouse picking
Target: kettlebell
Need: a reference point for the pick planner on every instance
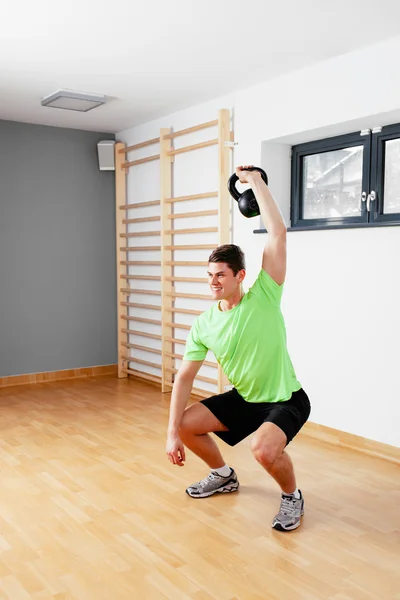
(247, 202)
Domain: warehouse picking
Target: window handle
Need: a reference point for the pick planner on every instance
(371, 198)
(363, 198)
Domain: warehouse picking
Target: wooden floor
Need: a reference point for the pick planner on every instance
(90, 509)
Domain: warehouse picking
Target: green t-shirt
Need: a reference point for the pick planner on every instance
(249, 342)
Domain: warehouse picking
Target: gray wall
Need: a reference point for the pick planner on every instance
(57, 251)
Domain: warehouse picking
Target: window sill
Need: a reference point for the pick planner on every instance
(328, 227)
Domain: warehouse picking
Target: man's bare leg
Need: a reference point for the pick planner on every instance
(268, 449)
(196, 422)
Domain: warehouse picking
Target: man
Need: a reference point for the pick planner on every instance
(246, 333)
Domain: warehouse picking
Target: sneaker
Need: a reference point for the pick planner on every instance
(290, 512)
(213, 484)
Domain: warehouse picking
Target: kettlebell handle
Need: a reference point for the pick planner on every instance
(234, 178)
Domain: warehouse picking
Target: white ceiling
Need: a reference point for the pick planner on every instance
(153, 57)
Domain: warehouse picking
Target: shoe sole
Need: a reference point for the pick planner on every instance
(225, 489)
(278, 526)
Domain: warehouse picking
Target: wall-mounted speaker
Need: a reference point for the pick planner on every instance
(105, 150)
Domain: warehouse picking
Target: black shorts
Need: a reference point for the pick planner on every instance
(243, 418)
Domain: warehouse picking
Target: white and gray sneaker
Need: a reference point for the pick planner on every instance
(213, 484)
(290, 513)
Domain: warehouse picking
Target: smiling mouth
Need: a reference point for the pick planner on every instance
(216, 289)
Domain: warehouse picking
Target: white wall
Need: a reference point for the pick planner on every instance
(342, 295)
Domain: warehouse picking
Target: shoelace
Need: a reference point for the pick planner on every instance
(288, 506)
(209, 478)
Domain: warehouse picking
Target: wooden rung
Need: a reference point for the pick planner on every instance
(188, 279)
(149, 292)
(194, 230)
(145, 277)
(140, 248)
(187, 263)
(141, 320)
(199, 213)
(192, 247)
(175, 340)
(172, 355)
(139, 205)
(206, 363)
(190, 148)
(141, 262)
(207, 379)
(138, 146)
(191, 197)
(199, 377)
(141, 361)
(137, 305)
(144, 348)
(139, 234)
(142, 375)
(141, 220)
(194, 296)
(170, 136)
(201, 393)
(178, 326)
(132, 163)
(153, 336)
(184, 311)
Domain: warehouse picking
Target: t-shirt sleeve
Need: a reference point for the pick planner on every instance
(266, 288)
(194, 349)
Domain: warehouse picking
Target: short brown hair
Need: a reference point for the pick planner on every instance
(230, 254)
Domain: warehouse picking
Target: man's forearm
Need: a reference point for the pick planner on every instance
(179, 399)
(270, 213)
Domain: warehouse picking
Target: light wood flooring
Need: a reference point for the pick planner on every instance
(90, 509)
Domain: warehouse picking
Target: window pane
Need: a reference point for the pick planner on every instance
(332, 183)
(391, 201)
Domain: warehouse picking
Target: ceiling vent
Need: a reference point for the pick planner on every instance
(77, 101)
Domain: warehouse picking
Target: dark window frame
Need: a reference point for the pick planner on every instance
(391, 132)
(372, 180)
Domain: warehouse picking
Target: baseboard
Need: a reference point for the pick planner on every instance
(58, 375)
(351, 441)
(145, 377)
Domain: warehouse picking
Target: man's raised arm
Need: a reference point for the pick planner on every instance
(274, 254)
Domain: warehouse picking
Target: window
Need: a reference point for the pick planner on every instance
(347, 181)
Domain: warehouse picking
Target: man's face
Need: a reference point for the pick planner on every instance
(223, 283)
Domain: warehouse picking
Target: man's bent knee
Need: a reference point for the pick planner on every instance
(263, 452)
(268, 444)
